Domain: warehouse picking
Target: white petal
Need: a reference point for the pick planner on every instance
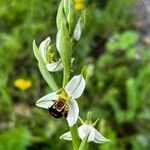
(73, 112)
(98, 138)
(56, 66)
(75, 86)
(77, 31)
(66, 136)
(43, 46)
(86, 130)
(47, 100)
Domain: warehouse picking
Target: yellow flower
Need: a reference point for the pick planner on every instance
(79, 4)
(22, 84)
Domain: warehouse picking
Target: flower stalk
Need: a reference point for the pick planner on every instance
(75, 137)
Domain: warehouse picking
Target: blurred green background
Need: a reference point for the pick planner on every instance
(117, 54)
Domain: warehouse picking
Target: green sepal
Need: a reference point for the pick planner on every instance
(47, 76)
(37, 53)
(64, 46)
(60, 15)
(42, 66)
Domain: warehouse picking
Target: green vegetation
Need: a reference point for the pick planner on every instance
(117, 73)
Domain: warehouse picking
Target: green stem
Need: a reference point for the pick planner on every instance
(66, 76)
(84, 144)
(75, 137)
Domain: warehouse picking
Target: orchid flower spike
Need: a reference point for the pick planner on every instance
(84, 131)
(62, 102)
(48, 56)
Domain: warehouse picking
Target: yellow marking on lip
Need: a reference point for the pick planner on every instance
(63, 95)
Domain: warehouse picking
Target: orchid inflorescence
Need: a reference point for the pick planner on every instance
(61, 102)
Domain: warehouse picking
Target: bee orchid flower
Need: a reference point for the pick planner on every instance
(84, 131)
(62, 102)
(48, 56)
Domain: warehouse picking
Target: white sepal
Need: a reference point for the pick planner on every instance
(77, 31)
(43, 47)
(54, 66)
(86, 130)
(47, 100)
(73, 112)
(75, 86)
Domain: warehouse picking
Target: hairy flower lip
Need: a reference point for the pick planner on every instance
(74, 90)
(84, 131)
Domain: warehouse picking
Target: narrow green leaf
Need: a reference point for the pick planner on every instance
(64, 46)
(47, 76)
(37, 53)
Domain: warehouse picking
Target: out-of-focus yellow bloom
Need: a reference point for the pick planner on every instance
(22, 84)
(79, 4)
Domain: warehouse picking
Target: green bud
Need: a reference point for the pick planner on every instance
(69, 10)
(60, 15)
(89, 117)
(64, 46)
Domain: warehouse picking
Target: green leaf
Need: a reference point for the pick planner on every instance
(47, 76)
(64, 46)
(37, 53)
